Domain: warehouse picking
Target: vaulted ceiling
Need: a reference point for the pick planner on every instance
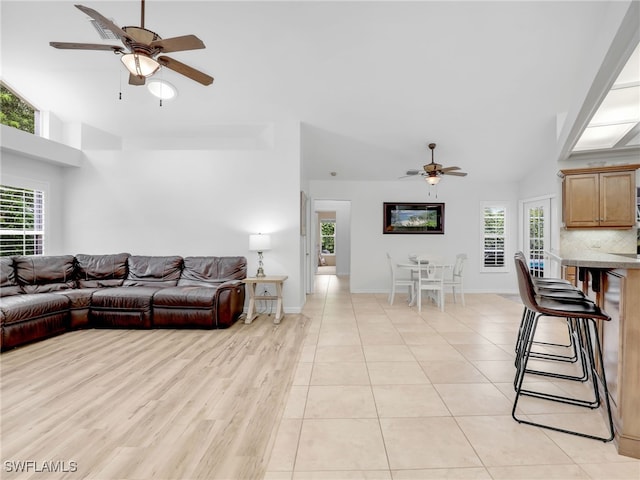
(372, 83)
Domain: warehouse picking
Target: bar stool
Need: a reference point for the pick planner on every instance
(561, 290)
(553, 288)
(584, 316)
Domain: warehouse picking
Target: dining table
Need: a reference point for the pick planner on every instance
(424, 264)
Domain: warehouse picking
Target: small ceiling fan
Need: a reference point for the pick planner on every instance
(433, 171)
(142, 47)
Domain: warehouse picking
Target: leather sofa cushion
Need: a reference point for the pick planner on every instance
(153, 271)
(18, 308)
(124, 298)
(8, 283)
(78, 297)
(101, 270)
(185, 297)
(42, 274)
(208, 271)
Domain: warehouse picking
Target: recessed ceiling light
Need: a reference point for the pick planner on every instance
(162, 89)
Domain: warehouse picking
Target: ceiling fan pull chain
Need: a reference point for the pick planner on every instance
(161, 83)
(120, 84)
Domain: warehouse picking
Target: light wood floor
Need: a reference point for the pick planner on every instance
(353, 389)
(154, 404)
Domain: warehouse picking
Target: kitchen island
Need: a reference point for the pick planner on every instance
(613, 281)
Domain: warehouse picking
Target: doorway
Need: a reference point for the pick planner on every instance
(337, 214)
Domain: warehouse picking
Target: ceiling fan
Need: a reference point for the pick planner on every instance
(433, 171)
(141, 49)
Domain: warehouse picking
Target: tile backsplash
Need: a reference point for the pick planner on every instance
(601, 240)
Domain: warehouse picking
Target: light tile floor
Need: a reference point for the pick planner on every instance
(383, 392)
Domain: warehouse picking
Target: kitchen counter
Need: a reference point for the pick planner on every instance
(593, 259)
(613, 281)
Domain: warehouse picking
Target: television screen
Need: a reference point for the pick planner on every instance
(413, 217)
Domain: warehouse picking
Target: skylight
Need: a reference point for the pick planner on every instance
(616, 123)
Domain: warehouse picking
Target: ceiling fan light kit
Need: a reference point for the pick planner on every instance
(140, 64)
(432, 178)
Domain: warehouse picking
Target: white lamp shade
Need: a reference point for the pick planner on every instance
(259, 242)
(432, 179)
(140, 64)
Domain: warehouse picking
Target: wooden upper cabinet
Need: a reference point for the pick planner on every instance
(618, 199)
(600, 198)
(581, 197)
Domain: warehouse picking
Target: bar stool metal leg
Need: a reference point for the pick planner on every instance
(589, 344)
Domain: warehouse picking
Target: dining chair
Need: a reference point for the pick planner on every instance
(455, 280)
(431, 280)
(397, 281)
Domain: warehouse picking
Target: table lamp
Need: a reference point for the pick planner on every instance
(259, 243)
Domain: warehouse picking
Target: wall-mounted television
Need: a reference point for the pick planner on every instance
(408, 218)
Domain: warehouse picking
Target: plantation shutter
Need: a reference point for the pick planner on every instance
(21, 221)
(494, 237)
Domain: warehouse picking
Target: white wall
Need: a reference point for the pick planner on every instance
(462, 197)
(177, 202)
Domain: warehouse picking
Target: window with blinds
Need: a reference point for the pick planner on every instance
(21, 221)
(494, 238)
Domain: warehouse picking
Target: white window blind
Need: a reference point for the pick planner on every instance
(494, 238)
(21, 221)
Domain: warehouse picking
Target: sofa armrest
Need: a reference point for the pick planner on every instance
(229, 302)
(231, 283)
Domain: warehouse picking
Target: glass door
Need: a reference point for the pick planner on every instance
(536, 234)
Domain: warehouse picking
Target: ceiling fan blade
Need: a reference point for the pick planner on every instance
(413, 173)
(178, 44)
(185, 70)
(449, 169)
(136, 80)
(85, 46)
(104, 22)
(457, 174)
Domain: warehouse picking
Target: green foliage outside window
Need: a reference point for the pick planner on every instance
(15, 112)
(328, 232)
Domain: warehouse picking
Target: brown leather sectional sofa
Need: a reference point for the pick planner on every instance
(43, 296)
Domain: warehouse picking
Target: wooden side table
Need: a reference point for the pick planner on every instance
(252, 283)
